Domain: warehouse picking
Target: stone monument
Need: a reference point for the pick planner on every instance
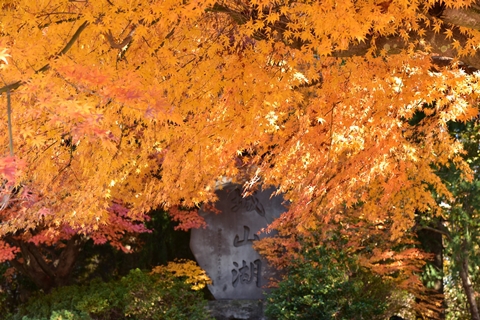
(224, 248)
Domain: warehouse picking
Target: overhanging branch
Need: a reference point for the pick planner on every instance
(76, 35)
(442, 232)
(464, 17)
(435, 43)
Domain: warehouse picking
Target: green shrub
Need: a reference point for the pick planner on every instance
(4, 302)
(139, 295)
(328, 284)
(62, 315)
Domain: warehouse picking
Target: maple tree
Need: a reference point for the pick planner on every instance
(116, 107)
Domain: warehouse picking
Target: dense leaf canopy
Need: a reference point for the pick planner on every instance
(120, 106)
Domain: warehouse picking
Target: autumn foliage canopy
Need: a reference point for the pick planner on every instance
(112, 108)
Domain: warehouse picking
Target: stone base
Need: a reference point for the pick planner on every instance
(237, 309)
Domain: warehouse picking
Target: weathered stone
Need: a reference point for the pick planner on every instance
(237, 309)
(224, 248)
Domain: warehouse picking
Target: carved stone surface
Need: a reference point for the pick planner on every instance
(224, 249)
(237, 309)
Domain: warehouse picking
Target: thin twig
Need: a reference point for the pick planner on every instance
(9, 114)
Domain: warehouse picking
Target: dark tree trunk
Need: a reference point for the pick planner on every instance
(43, 267)
(462, 258)
(67, 260)
(432, 242)
(467, 285)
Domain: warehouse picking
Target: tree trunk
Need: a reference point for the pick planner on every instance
(67, 260)
(462, 259)
(468, 287)
(432, 242)
(47, 271)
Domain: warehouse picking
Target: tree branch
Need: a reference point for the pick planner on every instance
(437, 43)
(443, 232)
(67, 46)
(31, 250)
(17, 84)
(464, 17)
